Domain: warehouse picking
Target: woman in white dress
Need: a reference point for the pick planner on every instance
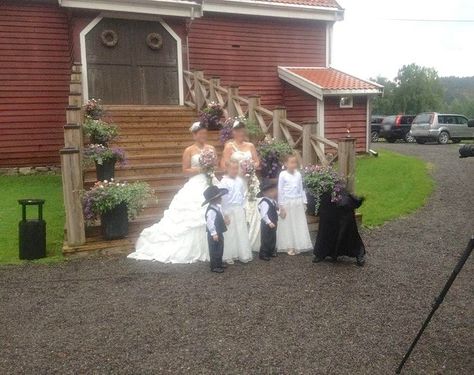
(180, 236)
(238, 149)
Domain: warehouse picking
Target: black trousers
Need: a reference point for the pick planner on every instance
(216, 250)
(268, 239)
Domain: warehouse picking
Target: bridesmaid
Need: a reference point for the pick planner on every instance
(239, 149)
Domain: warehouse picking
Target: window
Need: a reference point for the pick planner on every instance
(462, 120)
(345, 102)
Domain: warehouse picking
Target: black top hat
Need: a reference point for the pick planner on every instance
(266, 185)
(213, 192)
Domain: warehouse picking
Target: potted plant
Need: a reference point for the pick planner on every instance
(100, 132)
(211, 116)
(272, 153)
(93, 109)
(322, 184)
(115, 204)
(105, 159)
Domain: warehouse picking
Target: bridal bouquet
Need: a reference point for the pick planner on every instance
(208, 163)
(249, 172)
(319, 180)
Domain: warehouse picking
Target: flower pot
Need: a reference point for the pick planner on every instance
(115, 222)
(106, 170)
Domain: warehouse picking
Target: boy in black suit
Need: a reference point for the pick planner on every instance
(215, 226)
(268, 208)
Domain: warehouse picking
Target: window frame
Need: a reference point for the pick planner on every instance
(349, 105)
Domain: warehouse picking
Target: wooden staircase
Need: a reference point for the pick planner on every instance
(153, 138)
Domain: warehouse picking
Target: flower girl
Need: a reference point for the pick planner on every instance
(237, 236)
(292, 233)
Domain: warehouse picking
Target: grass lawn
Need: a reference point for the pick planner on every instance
(393, 184)
(20, 187)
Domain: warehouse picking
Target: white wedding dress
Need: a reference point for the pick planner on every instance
(251, 207)
(180, 236)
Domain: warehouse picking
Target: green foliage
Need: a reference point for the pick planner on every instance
(21, 187)
(272, 154)
(254, 130)
(394, 185)
(416, 89)
(106, 195)
(100, 132)
(319, 180)
(96, 153)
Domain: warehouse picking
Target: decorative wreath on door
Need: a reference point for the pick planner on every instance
(154, 41)
(109, 38)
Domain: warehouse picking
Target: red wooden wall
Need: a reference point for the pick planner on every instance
(336, 120)
(35, 61)
(247, 51)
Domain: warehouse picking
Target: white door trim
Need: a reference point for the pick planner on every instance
(95, 21)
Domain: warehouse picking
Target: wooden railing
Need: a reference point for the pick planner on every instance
(274, 124)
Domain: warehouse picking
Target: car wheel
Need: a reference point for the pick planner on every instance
(375, 136)
(443, 138)
(391, 140)
(409, 138)
(420, 141)
(455, 140)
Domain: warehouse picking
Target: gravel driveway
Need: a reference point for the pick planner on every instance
(287, 316)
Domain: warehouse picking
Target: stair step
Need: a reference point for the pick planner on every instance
(139, 136)
(140, 170)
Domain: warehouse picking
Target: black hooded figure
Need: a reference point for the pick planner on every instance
(338, 234)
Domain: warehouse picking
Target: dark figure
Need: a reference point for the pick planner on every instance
(215, 227)
(338, 234)
(268, 208)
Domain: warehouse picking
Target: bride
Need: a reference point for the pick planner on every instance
(180, 236)
(238, 149)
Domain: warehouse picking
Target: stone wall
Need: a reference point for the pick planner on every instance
(26, 171)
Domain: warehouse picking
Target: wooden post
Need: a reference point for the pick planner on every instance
(254, 102)
(233, 92)
(71, 170)
(215, 81)
(279, 113)
(73, 114)
(73, 136)
(75, 100)
(308, 152)
(347, 160)
(200, 99)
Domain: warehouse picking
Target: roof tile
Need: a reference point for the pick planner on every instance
(332, 79)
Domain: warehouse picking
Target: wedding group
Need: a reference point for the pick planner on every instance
(227, 220)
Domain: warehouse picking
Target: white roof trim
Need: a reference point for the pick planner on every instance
(156, 7)
(318, 91)
(265, 8)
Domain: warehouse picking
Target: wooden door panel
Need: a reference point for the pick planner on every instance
(159, 85)
(146, 56)
(130, 72)
(111, 85)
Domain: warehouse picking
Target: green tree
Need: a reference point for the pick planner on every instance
(417, 90)
(383, 105)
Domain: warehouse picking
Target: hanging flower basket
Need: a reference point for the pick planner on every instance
(271, 154)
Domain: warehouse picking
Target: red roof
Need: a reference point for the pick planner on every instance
(314, 3)
(332, 79)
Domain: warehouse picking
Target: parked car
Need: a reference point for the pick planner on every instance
(375, 123)
(440, 127)
(397, 127)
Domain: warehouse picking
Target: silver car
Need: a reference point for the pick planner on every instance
(440, 127)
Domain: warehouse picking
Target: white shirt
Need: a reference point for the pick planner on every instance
(211, 219)
(263, 208)
(290, 186)
(236, 194)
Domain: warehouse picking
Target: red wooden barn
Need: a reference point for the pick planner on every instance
(135, 52)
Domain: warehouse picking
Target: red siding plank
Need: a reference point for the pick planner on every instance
(35, 63)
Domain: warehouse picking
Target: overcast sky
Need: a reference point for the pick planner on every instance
(372, 40)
